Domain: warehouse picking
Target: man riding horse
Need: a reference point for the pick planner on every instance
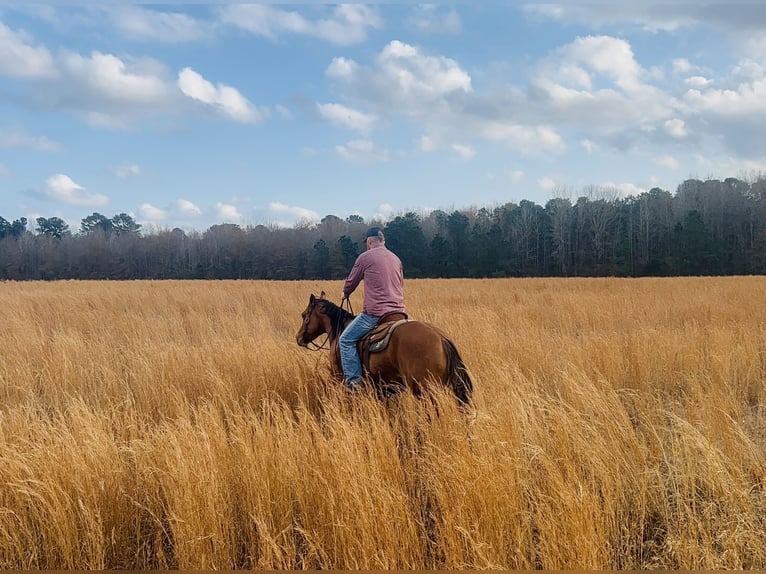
(381, 271)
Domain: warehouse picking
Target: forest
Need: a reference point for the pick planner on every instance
(709, 227)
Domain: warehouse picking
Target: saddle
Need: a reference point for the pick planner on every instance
(378, 338)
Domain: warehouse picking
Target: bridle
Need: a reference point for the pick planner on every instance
(324, 345)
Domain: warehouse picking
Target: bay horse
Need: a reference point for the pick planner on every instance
(416, 354)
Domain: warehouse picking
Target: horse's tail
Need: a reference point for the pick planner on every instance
(457, 377)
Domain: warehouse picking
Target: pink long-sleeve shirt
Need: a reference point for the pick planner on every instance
(383, 278)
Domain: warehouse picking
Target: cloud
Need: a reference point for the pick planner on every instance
(683, 66)
(516, 175)
(114, 92)
(114, 80)
(426, 144)
(18, 58)
(384, 212)
(138, 23)
(403, 77)
(668, 16)
(126, 170)
(698, 82)
(464, 151)
(668, 161)
(743, 24)
(296, 213)
(61, 188)
(362, 151)
(347, 24)
(437, 94)
(227, 213)
(149, 212)
(283, 111)
(431, 19)
(528, 139)
(223, 98)
(676, 128)
(621, 189)
(186, 208)
(588, 145)
(19, 138)
(547, 183)
(341, 115)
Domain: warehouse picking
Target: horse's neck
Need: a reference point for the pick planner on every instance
(338, 322)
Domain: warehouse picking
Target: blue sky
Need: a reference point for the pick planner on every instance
(191, 114)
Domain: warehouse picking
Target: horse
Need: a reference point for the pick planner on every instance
(414, 354)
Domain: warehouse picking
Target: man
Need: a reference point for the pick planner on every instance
(383, 278)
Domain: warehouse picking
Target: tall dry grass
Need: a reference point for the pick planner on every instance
(618, 424)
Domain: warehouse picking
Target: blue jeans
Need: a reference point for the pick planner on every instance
(349, 357)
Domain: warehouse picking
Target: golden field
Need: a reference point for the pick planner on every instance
(617, 423)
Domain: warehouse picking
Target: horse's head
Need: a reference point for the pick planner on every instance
(313, 321)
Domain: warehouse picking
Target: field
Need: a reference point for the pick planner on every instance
(618, 423)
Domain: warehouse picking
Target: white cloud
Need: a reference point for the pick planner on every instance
(61, 188)
(347, 24)
(186, 208)
(623, 189)
(427, 144)
(417, 75)
(143, 24)
(223, 98)
(436, 93)
(117, 92)
(588, 145)
(464, 151)
(612, 57)
(746, 100)
(528, 139)
(283, 111)
(126, 170)
(748, 70)
(20, 59)
(431, 19)
(613, 104)
(362, 151)
(112, 79)
(384, 212)
(676, 128)
(344, 116)
(668, 161)
(19, 138)
(227, 213)
(149, 212)
(296, 213)
(547, 183)
(683, 66)
(698, 82)
(668, 17)
(516, 175)
(403, 78)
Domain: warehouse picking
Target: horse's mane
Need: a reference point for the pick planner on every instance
(338, 318)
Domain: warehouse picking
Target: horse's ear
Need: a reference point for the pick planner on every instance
(321, 295)
(312, 299)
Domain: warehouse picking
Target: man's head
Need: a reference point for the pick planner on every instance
(375, 236)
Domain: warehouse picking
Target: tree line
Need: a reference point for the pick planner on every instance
(709, 227)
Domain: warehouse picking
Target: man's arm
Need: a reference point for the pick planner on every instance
(354, 278)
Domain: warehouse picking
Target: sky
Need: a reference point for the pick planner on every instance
(189, 114)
